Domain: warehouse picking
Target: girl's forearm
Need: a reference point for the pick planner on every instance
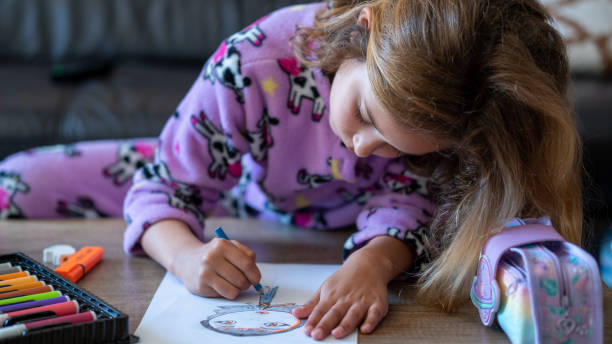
(165, 239)
(391, 255)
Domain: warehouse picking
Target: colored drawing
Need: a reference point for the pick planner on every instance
(257, 316)
(252, 320)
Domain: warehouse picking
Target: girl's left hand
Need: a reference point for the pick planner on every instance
(356, 291)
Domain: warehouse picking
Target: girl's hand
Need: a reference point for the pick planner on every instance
(356, 294)
(217, 268)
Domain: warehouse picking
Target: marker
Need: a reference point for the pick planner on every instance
(80, 263)
(32, 304)
(14, 275)
(29, 291)
(265, 298)
(34, 297)
(16, 281)
(221, 234)
(36, 313)
(21, 286)
(10, 270)
(22, 329)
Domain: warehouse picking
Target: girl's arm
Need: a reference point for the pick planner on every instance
(357, 292)
(216, 268)
(391, 237)
(391, 256)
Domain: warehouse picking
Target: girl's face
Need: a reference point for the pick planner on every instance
(361, 122)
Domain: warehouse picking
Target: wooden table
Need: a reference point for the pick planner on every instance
(128, 283)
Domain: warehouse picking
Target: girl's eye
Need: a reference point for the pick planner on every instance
(397, 152)
(359, 117)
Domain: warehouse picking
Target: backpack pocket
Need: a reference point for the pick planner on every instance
(558, 299)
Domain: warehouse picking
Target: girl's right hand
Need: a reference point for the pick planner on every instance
(217, 268)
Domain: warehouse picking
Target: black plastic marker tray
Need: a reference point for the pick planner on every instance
(111, 326)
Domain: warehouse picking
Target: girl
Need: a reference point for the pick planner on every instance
(428, 124)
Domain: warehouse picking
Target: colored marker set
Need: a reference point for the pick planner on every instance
(37, 305)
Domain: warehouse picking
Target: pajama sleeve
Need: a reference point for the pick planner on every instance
(198, 157)
(402, 210)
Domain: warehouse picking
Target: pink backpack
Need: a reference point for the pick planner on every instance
(542, 288)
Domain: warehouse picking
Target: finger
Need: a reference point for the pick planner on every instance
(304, 310)
(203, 289)
(244, 249)
(224, 288)
(375, 314)
(317, 313)
(254, 276)
(231, 274)
(330, 320)
(351, 320)
(243, 261)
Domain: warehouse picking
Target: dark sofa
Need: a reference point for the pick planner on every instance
(74, 70)
(81, 70)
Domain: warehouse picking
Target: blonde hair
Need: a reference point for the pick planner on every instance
(488, 76)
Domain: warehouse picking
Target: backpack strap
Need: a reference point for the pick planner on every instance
(485, 289)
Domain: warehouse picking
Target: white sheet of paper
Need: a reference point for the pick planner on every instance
(174, 314)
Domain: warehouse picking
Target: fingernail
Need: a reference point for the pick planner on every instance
(308, 329)
(366, 328)
(337, 331)
(317, 334)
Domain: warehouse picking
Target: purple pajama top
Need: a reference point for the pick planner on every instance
(254, 129)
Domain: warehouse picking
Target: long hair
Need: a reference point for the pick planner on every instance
(488, 76)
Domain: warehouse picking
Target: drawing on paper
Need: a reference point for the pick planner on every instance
(254, 320)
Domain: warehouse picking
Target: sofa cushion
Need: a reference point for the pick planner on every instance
(133, 101)
(586, 26)
(59, 30)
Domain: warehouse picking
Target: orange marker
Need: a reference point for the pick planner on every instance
(21, 286)
(28, 291)
(80, 263)
(14, 275)
(20, 280)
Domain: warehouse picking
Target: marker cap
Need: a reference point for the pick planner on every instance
(73, 319)
(56, 254)
(14, 275)
(12, 331)
(28, 291)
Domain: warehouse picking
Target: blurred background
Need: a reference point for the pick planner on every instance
(73, 70)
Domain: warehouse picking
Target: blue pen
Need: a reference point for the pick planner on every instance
(221, 234)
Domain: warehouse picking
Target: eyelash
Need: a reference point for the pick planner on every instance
(359, 117)
(364, 122)
(398, 152)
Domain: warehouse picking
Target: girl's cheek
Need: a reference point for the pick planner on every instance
(387, 152)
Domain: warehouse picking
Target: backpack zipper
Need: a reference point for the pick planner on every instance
(564, 286)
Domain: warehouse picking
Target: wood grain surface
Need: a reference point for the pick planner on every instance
(128, 283)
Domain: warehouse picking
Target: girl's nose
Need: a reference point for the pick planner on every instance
(365, 143)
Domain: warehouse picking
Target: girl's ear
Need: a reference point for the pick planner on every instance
(365, 17)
